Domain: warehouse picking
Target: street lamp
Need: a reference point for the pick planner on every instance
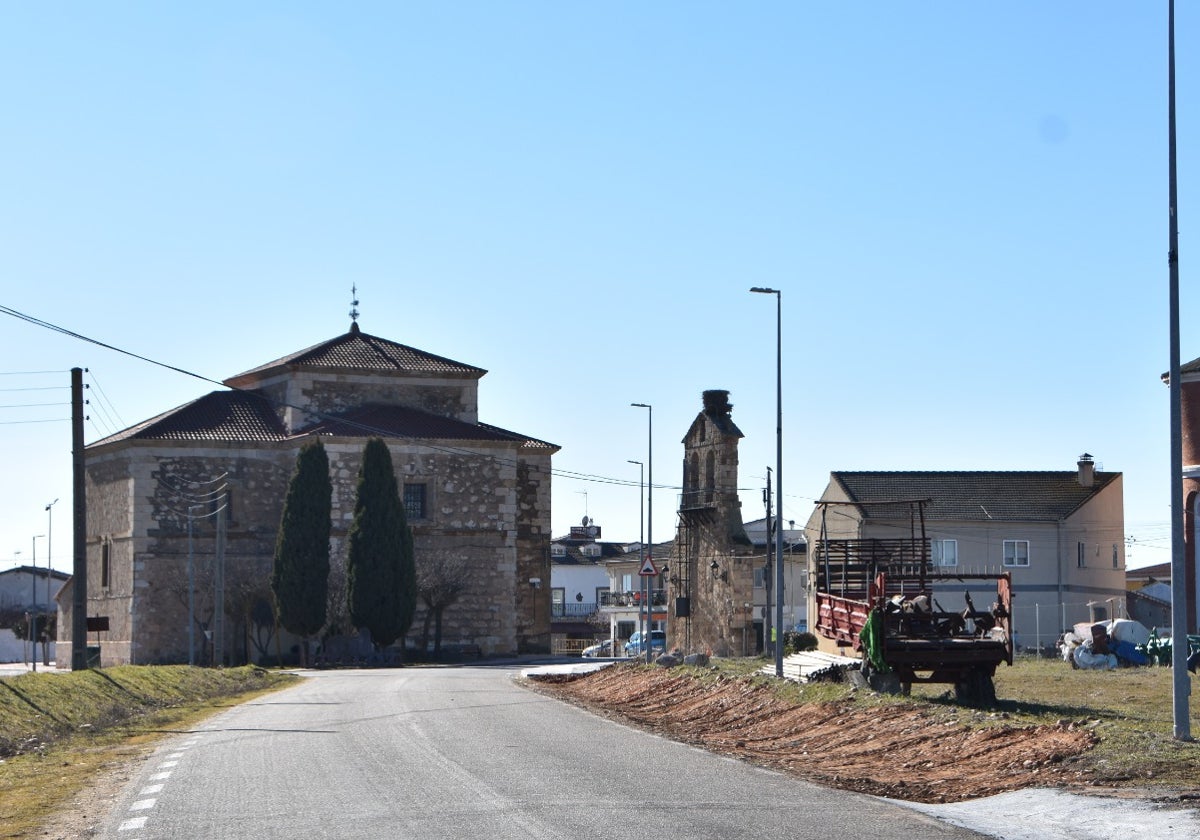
(778, 473)
(641, 526)
(33, 604)
(49, 568)
(649, 515)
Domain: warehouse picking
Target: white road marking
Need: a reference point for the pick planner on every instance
(151, 790)
(158, 777)
(133, 824)
(175, 755)
(142, 805)
(167, 765)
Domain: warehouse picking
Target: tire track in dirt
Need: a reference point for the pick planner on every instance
(899, 751)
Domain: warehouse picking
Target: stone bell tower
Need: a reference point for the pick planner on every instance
(711, 584)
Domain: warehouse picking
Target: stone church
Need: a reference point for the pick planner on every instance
(207, 480)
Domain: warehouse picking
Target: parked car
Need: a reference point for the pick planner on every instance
(604, 649)
(658, 643)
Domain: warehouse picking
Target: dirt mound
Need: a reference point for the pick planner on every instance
(900, 751)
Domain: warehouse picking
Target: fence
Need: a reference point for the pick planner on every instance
(1038, 627)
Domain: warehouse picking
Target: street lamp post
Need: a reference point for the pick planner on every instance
(649, 517)
(49, 569)
(641, 528)
(778, 473)
(33, 605)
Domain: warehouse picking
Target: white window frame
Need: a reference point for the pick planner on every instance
(939, 552)
(1014, 561)
(1081, 555)
(558, 550)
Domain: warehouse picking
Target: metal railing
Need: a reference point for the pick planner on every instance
(572, 609)
(658, 598)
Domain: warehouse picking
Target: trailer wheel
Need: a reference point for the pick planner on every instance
(884, 682)
(976, 689)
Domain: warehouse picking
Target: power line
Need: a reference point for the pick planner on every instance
(363, 427)
(104, 398)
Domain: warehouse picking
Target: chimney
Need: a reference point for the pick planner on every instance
(1087, 471)
(717, 402)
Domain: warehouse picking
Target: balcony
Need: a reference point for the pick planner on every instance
(658, 598)
(572, 609)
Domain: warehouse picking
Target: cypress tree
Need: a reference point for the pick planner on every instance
(300, 575)
(381, 575)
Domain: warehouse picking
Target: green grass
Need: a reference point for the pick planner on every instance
(58, 730)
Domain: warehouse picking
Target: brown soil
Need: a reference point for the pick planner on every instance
(898, 750)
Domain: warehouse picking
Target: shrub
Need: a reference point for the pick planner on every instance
(794, 642)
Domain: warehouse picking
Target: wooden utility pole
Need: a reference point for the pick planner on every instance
(79, 570)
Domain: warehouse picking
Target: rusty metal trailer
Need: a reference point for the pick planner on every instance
(882, 598)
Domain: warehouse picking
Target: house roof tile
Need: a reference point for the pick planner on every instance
(973, 495)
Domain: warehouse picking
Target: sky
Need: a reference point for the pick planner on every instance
(963, 205)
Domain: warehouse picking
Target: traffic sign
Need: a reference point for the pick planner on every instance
(648, 569)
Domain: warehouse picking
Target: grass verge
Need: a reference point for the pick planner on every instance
(58, 730)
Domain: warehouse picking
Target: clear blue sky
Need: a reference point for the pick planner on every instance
(965, 205)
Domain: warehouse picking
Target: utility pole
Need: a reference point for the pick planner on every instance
(218, 624)
(33, 610)
(768, 640)
(1179, 594)
(49, 576)
(79, 565)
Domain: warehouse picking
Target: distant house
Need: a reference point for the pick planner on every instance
(579, 583)
(1059, 534)
(1148, 599)
(795, 576)
(23, 590)
(623, 607)
(24, 587)
(169, 496)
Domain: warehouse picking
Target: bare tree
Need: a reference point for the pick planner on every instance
(442, 578)
(247, 584)
(201, 582)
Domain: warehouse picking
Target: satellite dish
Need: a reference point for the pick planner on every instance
(585, 521)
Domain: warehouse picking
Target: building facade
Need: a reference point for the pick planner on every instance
(196, 494)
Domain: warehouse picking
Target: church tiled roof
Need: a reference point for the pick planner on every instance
(357, 350)
(247, 417)
(972, 495)
(399, 421)
(221, 415)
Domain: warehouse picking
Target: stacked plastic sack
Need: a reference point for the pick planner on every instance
(1107, 644)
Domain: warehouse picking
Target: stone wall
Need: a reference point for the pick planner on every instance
(296, 393)
(488, 503)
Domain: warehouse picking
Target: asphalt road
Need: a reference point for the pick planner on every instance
(466, 753)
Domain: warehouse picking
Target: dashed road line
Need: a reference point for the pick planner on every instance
(150, 791)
